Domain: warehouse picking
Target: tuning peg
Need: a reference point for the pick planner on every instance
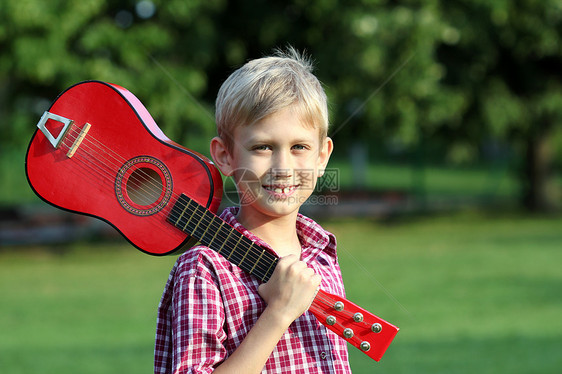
(358, 317)
(365, 346)
(348, 333)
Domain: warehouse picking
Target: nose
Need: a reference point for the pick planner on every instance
(282, 166)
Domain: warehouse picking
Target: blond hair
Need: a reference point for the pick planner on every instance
(267, 85)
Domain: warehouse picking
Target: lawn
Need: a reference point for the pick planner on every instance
(470, 293)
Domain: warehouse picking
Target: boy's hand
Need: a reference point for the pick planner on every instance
(291, 289)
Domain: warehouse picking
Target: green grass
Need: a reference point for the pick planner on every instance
(471, 294)
(86, 310)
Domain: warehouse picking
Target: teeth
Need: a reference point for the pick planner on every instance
(280, 190)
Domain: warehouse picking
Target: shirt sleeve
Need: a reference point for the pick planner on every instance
(197, 324)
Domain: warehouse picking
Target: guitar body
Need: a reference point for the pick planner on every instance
(111, 161)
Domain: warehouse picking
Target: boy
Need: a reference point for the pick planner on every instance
(272, 122)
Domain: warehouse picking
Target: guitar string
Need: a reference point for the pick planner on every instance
(96, 154)
(91, 151)
(90, 161)
(104, 150)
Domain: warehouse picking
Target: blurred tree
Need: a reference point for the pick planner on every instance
(507, 63)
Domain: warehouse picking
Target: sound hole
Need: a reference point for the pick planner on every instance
(144, 186)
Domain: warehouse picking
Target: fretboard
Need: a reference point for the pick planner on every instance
(205, 226)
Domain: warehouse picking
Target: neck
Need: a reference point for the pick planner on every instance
(279, 232)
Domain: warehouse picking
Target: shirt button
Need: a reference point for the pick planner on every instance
(323, 355)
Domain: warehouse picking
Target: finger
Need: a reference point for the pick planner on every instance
(287, 261)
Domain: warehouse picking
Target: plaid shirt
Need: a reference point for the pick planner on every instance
(209, 305)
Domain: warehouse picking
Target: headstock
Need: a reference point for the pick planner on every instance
(371, 334)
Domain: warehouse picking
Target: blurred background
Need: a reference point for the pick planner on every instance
(444, 189)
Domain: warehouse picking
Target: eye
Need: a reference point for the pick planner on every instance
(300, 147)
(261, 147)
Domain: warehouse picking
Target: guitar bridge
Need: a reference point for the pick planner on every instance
(42, 125)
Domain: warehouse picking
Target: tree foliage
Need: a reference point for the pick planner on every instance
(452, 75)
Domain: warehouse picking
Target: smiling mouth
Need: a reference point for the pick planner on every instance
(280, 190)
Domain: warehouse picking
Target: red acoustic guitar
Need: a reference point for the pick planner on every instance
(98, 152)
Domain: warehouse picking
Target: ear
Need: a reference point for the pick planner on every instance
(221, 156)
(324, 155)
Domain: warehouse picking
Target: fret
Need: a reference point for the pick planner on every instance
(252, 250)
(268, 263)
(207, 242)
(189, 220)
(222, 233)
(234, 247)
(194, 231)
(258, 260)
(175, 210)
(221, 226)
(203, 221)
(246, 254)
(225, 240)
(267, 274)
(239, 250)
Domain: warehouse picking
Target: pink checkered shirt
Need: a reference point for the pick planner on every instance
(209, 305)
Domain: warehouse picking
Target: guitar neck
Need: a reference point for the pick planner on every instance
(205, 226)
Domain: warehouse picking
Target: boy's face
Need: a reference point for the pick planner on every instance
(275, 164)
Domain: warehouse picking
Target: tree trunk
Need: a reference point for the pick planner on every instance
(537, 174)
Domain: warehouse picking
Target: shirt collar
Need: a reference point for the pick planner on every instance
(314, 239)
